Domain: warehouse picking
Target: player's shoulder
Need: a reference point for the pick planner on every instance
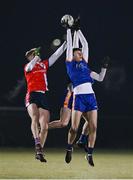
(45, 61)
(69, 62)
(25, 66)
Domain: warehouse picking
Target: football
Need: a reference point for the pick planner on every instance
(67, 21)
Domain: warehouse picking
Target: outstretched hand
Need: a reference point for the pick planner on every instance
(105, 62)
(76, 25)
(37, 51)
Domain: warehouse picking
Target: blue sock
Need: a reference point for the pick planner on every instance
(37, 141)
(69, 146)
(90, 150)
(83, 138)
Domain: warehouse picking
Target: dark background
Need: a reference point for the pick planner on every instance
(108, 28)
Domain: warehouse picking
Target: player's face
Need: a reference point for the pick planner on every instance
(78, 55)
(31, 56)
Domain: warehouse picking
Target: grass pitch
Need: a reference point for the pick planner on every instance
(19, 163)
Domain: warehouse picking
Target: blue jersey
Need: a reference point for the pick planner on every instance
(78, 72)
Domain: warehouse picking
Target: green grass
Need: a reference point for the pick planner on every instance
(20, 164)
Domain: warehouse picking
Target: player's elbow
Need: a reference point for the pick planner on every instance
(64, 124)
(28, 69)
(86, 44)
(44, 129)
(100, 79)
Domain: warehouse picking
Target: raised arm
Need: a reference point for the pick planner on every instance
(99, 77)
(53, 58)
(69, 51)
(32, 63)
(75, 40)
(84, 43)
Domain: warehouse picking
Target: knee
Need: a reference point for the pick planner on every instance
(93, 128)
(44, 128)
(64, 124)
(73, 130)
(35, 117)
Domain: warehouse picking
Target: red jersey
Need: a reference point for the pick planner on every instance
(37, 77)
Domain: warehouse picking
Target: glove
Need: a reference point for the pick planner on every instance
(76, 25)
(105, 62)
(37, 51)
(65, 24)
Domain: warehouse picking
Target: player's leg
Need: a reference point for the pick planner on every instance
(65, 114)
(34, 115)
(76, 115)
(92, 118)
(33, 112)
(43, 121)
(83, 139)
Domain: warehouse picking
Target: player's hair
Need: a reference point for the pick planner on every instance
(76, 49)
(28, 53)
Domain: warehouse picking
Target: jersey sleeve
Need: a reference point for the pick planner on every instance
(99, 77)
(69, 65)
(24, 68)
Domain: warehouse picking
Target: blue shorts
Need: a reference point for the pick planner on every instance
(68, 99)
(85, 102)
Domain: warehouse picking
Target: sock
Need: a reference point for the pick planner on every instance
(83, 138)
(90, 150)
(37, 141)
(69, 146)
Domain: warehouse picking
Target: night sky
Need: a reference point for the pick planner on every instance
(108, 27)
